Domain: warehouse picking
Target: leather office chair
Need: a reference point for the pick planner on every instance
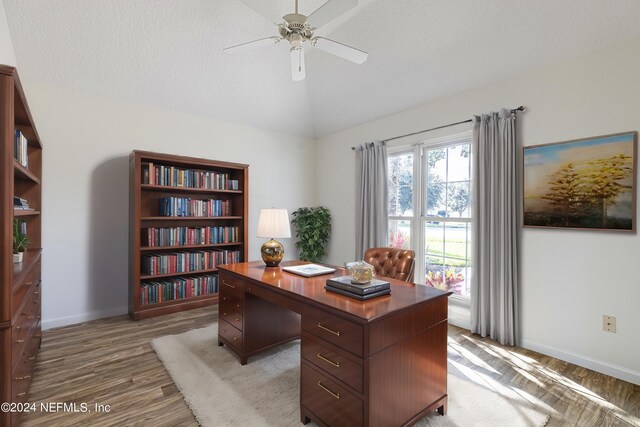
(392, 262)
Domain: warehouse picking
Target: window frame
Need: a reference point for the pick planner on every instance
(420, 217)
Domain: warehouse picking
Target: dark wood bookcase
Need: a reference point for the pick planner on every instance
(20, 286)
(145, 211)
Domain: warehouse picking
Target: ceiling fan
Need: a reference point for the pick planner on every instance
(298, 29)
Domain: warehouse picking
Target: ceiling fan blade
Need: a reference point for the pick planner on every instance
(330, 11)
(251, 45)
(297, 64)
(262, 9)
(342, 50)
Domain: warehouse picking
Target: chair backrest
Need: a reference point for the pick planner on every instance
(392, 262)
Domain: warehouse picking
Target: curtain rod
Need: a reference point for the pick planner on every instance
(514, 111)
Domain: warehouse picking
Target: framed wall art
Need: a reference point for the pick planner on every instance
(587, 183)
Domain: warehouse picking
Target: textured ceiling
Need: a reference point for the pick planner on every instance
(167, 53)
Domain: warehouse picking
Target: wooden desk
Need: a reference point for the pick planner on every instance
(381, 362)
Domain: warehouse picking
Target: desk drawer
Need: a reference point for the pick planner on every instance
(333, 404)
(335, 330)
(333, 362)
(231, 309)
(230, 285)
(32, 278)
(231, 334)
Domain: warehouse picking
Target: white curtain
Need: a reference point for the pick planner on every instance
(371, 197)
(494, 292)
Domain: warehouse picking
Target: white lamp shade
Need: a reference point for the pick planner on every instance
(274, 223)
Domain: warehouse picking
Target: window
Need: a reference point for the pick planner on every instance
(400, 171)
(443, 192)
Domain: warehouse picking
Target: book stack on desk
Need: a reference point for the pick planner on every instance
(344, 286)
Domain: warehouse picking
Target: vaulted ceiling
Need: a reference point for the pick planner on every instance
(168, 53)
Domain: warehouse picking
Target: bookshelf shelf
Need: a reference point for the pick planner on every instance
(180, 247)
(184, 273)
(145, 212)
(20, 284)
(188, 218)
(172, 189)
(25, 213)
(23, 174)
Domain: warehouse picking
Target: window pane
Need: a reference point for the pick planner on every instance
(400, 234)
(455, 240)
(434, 238)
(433, 271)
(459, 199)
(455, 279)
(458, 163)
(436, 179)
(401, 185)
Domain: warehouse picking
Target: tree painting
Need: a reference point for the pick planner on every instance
(586, 183)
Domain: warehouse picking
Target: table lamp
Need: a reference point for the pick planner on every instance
(273, 223)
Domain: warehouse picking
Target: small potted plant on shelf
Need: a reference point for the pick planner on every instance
(20, 242)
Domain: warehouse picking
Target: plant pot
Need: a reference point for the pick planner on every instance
(18, 257)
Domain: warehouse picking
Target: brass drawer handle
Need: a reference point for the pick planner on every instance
(37, 292)
(237, 319)
(21, 394)
(37, 335)
(19, 341)
(336, 333)
(29, 359)
(235, 338)
(336, 395)
(331, 362)
(229, 285)
(27, 284)
(238, 305)
(224, 314)
(26, 377)
(18, 328)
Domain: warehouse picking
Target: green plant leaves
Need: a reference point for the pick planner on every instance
(313, 228)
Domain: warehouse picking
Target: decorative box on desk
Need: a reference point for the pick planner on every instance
(381, 362)
(187, 215)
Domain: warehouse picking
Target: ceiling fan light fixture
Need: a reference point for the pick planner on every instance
(298, 29)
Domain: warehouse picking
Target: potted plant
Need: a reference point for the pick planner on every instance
(313, 228)
(20, 242)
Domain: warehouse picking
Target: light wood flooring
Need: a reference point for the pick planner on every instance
(111, 362)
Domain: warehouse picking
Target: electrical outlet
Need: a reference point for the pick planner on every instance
(608, 323)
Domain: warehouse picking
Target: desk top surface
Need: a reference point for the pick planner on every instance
(403, 294)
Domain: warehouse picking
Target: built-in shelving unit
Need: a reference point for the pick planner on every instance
(20, 286)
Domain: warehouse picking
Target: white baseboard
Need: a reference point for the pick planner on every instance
(585, 361)
(459, 316)
(80, 318)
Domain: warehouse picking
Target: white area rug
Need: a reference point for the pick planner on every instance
(266, 391)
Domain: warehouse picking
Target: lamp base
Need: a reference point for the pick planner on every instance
(272, 253)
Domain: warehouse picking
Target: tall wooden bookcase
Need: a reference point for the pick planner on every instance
(20, 288)
(156, 177)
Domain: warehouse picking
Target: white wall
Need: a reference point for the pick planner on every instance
(569, 278)
(7, 55)
(87, 140)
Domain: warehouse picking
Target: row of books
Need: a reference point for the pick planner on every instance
(157, 291)
(20, 149)
(185, 206)
(187, 178)
(180, 236)
(187, 262)
(20, 204)
(344, 286)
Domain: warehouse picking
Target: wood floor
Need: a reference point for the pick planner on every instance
(110, 362)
